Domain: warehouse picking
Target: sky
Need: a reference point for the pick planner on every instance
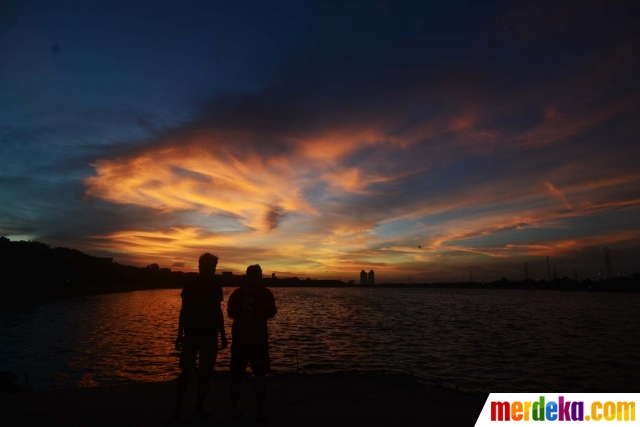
(423, 140)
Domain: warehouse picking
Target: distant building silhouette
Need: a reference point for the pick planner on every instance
(273, 275)
(363, 277)
(352, 282)
(371, 280)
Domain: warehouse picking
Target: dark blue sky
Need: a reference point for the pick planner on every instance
(322, 138)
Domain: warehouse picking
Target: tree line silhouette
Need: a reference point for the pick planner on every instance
(34, 271)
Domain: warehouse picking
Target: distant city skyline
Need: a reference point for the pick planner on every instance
(318, 139)
(368, 278)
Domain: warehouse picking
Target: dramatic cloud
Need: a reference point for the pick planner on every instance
(410, 139)
(212, 182)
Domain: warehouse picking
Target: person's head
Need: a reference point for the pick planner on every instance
(254, 275)
(207, 264)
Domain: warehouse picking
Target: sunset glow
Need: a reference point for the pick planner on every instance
(381, 149)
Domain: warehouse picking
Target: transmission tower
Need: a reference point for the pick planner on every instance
(526, 271)
(548, 269)
(608, 268)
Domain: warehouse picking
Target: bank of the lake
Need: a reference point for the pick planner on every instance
(293, 400)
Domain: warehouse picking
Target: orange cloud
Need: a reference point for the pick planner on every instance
(334, 144)
(354, 180)
(559, 125)
(556, 192)
(255, 191)
(167, 247)
(330, 211)
(570, 246)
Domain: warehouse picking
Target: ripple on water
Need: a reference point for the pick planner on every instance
(478, 340)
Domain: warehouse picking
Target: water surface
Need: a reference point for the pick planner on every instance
(478, 340)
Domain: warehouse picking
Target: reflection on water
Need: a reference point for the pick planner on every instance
(479, 340)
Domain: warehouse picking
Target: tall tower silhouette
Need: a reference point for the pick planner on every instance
(371, 278)
(608, 267)
(363, 277)
(526, 271)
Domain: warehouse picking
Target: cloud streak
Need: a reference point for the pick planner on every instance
(485, 141)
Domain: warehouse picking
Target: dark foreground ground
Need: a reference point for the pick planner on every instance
(315, 400)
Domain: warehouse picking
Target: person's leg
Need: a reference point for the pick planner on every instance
(187, 363)
(183, 382)
(234, 390)
(260, 367)
(238, 366)
(208, 354)
(261, 393)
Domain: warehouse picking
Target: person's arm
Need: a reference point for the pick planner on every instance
(223, 333)
(220, 320)
(180, 328)
(271, 305)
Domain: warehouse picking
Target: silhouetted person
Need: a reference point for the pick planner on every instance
(250, 306)
(200, 321)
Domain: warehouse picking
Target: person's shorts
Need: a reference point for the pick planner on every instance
(206, 347)
(257, 357)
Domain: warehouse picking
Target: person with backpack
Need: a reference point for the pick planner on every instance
(250, 306)
(200, 322)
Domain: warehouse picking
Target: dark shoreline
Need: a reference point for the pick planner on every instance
(309, 400)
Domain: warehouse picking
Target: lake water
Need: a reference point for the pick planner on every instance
(478, 340)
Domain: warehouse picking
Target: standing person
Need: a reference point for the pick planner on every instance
(250, 306)
(200, 321)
